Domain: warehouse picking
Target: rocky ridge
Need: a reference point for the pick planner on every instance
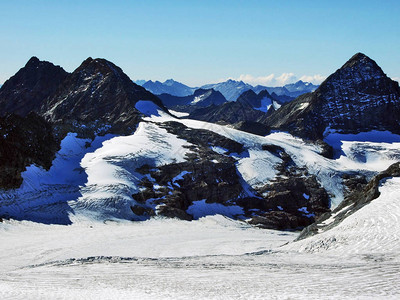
(357, 97)
(29, 88)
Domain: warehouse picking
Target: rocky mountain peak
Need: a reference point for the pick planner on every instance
(358, 58)
(99, 66)
(97, 91)
(33, 61)
(30, 86)
(357, 97)
(170, 82)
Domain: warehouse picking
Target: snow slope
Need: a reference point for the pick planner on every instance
(43, 195)
(97, 179)
(372, 231)
(210, 258)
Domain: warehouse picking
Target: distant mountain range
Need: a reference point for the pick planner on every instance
(231, 89)
(169, 86)
(200, 98)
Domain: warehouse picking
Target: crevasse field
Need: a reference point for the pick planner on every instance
(99, 255)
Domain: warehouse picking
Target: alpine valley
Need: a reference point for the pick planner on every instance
(110, 189)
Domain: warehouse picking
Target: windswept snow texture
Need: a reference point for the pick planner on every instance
(212, 258)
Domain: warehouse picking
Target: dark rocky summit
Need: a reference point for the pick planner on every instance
(357, 97)
(100, 93)
(227, 113)
(28, 89)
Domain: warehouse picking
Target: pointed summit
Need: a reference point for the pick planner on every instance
(32, 61)
(98, 91)
(362, 63)
(357, 97)
(30, 86)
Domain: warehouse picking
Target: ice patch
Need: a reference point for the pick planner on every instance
(148, 108)
(219, 150)
(201, 209)
(179, 177)
(266, 103)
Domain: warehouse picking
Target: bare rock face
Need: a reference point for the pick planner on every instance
(28, 89)
(357, 97)
(98, 92)
(24, 141)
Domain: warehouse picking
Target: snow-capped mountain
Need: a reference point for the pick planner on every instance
(140, 81)
(262, 101)
(97, 98)
(357, 97)
(231, 89)
(300, 87)
(169, 86)
(291, 90)
(244, 113)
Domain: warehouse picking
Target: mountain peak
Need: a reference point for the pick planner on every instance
(92, 66)
(32, 61)
(169, 81)
(357, 97)
(360, 59)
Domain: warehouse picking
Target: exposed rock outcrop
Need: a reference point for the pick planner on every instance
(28, 89)
(291, 201)
(24, 141)
(100, 93)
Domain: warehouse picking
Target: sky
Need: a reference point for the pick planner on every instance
(199, 42)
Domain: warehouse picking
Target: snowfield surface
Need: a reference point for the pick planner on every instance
(101, 255)
(372, 231)
(212, 258)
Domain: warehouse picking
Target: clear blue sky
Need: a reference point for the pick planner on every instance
(198, 42)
